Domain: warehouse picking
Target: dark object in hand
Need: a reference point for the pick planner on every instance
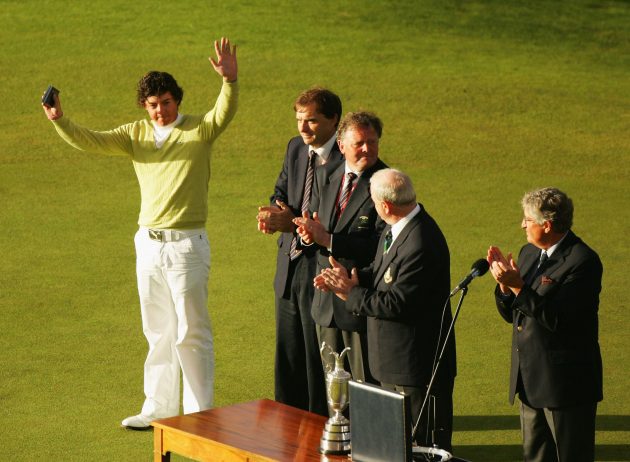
(49, 97)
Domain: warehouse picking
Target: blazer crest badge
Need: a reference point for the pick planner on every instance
(388, 276)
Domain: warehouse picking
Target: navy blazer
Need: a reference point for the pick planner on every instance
(354, 238)
(289, 189)
(555, 326)
(405, 296)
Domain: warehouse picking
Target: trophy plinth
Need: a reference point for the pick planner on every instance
(336, 437)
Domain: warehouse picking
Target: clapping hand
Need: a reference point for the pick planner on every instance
(272, 219)
(336, 279)
(504, 270)
(312, 230)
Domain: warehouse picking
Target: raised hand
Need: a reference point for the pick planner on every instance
(55, 112)
(225, 64)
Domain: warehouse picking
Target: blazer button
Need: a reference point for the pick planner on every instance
(519, 328)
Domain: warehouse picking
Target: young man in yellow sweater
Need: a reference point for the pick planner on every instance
(171, 157)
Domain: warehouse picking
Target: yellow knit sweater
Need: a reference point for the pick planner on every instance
(174, 178)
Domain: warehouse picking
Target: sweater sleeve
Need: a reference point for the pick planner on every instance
(215, 121)
(112, 142)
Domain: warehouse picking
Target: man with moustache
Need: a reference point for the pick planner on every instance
(299, 378)
(344, 224)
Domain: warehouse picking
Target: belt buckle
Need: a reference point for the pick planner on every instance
(156, 235)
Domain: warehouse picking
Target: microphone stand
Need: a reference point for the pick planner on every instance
(432, 451)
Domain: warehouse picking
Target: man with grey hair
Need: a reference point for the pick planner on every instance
(551, 297)
(343, 223)
(405, 295)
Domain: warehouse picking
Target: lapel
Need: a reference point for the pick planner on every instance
(358, 197)
(381, 262)
(529, 261)
(378, 258)
(335, 154)
(301, 164)
(360, 194)
(557, 259)
(329, 198)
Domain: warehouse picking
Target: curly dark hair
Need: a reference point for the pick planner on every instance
(156, 83)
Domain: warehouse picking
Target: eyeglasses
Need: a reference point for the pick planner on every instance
(526, 221)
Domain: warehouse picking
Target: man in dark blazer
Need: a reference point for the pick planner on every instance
(345, 224)
(404, 294)
(551, 297)
(299, 378)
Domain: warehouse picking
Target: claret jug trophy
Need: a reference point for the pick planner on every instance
(336, 436)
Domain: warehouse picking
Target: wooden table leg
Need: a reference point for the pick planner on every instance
(158, 455)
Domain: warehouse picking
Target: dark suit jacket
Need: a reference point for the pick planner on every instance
(403, 294)
(354, 241)
(555, 326)
(289, 189)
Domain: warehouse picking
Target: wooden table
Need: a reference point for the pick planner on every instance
(258, 431)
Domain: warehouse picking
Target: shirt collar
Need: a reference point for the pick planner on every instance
(553, 248)
(324, 150)
(169, 127)
(400, 224)
(348, 170)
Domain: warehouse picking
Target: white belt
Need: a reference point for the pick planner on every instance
(171, 235)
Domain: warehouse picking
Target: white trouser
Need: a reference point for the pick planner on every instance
(173, 287)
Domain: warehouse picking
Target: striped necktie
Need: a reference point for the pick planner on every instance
(306, 199)
(345, 195)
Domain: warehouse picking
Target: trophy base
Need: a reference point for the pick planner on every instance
(335, 439)
(334, 448)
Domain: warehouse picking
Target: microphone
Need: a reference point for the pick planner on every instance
(479, 268)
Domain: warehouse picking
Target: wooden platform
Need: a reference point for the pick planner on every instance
(258, 431)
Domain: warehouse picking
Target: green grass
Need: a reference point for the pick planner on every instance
(482, 100)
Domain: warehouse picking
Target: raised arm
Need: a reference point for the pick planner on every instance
(111, 142)
(224, 109)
